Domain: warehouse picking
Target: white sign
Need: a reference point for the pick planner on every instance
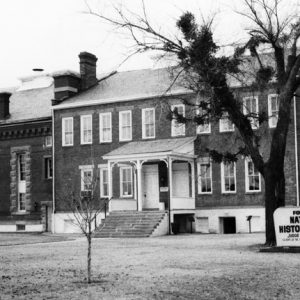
(287, 226)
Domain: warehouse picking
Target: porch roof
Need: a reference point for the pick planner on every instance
(153, 148)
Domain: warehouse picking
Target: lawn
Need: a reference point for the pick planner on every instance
(172, 267)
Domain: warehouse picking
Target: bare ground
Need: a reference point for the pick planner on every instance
(172, 267)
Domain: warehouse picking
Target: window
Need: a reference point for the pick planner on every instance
(253, 183)
(125, 127)
(225, 123)
(48, 167)
(67, 131)
(204, 177)
(205, 127)
(126, 181)
(250, 107)
(103, 182)
(21, 158)
(105, 127)
(86, 129)
(21, 201)
(48, 141)
(148, 120)
(273, 108)
(178, 128)
(86, 178)
(228, 177)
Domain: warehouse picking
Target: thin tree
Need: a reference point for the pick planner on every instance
(86, 207)
(209, 75)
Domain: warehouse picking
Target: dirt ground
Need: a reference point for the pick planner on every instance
(171, 267)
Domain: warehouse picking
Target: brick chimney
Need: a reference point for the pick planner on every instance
(4, 105)
(88, 69)
(66, 84)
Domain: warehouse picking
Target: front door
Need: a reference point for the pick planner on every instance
(150, 187)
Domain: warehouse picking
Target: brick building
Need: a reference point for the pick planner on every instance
(118, 128)
(26, 202)
(26, 156)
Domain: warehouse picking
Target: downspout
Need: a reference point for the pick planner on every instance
(296, 152)
(53, 174)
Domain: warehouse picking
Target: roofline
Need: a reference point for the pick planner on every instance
(21, 122)
(115, 100)
(148, 155)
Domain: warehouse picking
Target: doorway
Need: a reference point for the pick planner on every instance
(228, 225)
(150, 187)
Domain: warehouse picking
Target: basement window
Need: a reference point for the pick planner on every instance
(20, 227)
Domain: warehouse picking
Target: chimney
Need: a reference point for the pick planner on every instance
(66, 84)
(88, 70)
(4, 105)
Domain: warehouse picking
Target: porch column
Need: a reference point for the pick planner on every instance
(139, 185)
(170, 180)
(110, 186)
(193, 178)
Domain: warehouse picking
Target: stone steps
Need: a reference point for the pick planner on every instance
(124, 224)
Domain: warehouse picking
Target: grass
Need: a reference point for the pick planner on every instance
(171, 267)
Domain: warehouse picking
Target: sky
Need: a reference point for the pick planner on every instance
(49, 34)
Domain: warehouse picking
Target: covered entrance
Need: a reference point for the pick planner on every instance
(162, 173)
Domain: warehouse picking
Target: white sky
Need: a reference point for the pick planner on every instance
(50, 34)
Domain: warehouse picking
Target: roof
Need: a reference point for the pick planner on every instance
(31, 103)
(129, 85)
(151, 146)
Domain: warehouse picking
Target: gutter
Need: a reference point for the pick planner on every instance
(53, 174)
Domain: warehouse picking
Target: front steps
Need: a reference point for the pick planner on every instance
(124, 224)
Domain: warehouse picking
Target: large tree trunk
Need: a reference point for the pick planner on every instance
(274, 198)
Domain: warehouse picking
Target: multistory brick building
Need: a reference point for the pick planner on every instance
(26, 156)
(119, 128)
(26, 202)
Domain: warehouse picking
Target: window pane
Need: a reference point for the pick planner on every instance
(229, 177)
(22, 167)
(22, 201)
(205, 178)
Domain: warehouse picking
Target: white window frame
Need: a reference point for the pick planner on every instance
(223, 179)
(144, 131)
(48, 141)
(247, 160)
(102, 169)
(121, 137)
(83, 169)
(271, 114)
(64, 120)
(89, 120)
(224, 123)
(178, 129)
(206, 161)
(204, 128)
(101, 128)
(121, 182)
(253, 120)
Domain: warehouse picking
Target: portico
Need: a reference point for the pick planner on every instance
(153, 175)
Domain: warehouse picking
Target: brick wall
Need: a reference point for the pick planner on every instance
(37, 187)
(69, 158)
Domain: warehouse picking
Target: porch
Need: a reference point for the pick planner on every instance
(152, 175)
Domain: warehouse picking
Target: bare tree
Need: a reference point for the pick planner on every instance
(210, 74)
(86, 207)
